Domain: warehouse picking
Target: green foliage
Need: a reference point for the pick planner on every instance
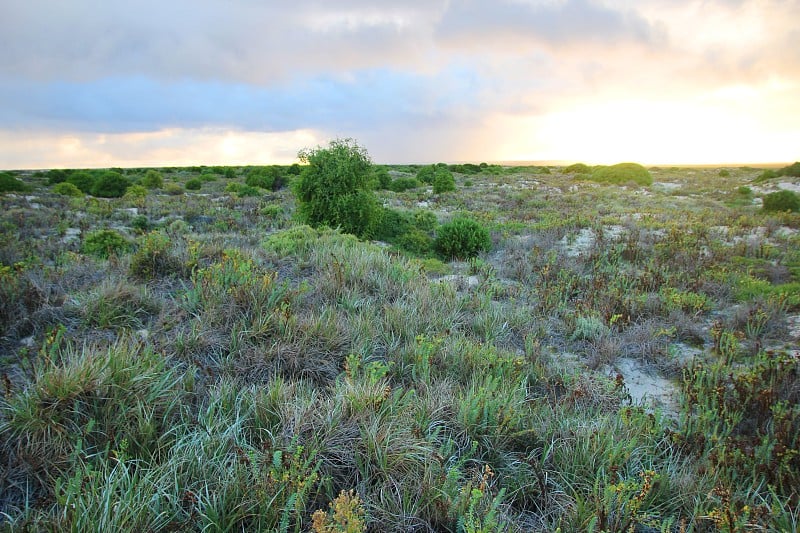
(154, 257)
(67, 189)
(83, 180)
(621, 174)
(152, 179)
(782, 201)
(194, 184)
(791, 170)
(110, 184)
(766, 175)
(381, 178)
(264, 177)
(462, 238)
(723, 173)
(8, 183)
(334, 189)
(443, 181)
(104, 243)
(403, 184)
(578, 168)
(57, 176)
(136, 193)
(426, 174)
(173, 189)
(424, 220)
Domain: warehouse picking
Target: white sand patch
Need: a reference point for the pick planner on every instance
(793, 324)
(666, 186)
(786, 186)
(460, 282)
(71, 235)
(647, 389)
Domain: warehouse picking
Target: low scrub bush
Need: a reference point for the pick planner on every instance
(173, 189)
(67, 189)
(621, 174)
(782, 201)
(791, 170)
(194, 184)
(152, 179)
(105, 243)
(403, 184)
(57, 176)
(426, 173)
(8, 183)
(578, 168)
(462, 238)
(381, 178)
(154, 257)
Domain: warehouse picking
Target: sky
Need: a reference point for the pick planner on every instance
(100, 83)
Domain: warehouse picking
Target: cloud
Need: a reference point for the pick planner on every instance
(556, 23)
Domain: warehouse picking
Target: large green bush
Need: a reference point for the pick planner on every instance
(426, 173)
(443, 181)
(782, 201)
(9, 183)
(621, 174)
(194, 184)
(110, 184)
(403, 184)
(462, 238)
(334, 189)
(83, 180)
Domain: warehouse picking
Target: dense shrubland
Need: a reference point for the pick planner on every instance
(181, 361)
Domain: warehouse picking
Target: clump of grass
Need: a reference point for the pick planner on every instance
(621, 174)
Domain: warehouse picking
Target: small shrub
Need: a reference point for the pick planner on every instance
(207, 177)
(389, 224)
(247, 190)
(110, 184)
(173, 189)
(104, 243)
(82, 180)
(154, 258)
(271, 211)
(67, 189)
(140, 224)
(8, 183)
(424, 220)
(153, 179)
(462, 238)
(415, 241)
(578, 168)
(260, 179)
(403, 184)
(136, 193)
(724, 173)
(381, 178)
(589, 328)
(782, 201)
(194, 184)
(443, 181)
(745, 191)
(622, 173)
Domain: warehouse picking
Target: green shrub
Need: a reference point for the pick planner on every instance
(152, 179)
(207, 177)
(260, 178)
(9, 183)
(389, 224)
(791, 170)
(247, 190)
(57, 176)
(154, 257)
(578, 168)
(424, 220)
(140, 224)
(782, 201)
(229, 173)
(136, 193)
(415, 241)
(621, 174)
(67, 189)
(173, 189)
(767, 175)
(745, 191)
(110, 184)
(403, 184)
(334, 189)
(104, 243)
(194, 184)
(82, 180)
(443, 181)
(381, 178)
(462, 238)
(724, 173)
(426, 173)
